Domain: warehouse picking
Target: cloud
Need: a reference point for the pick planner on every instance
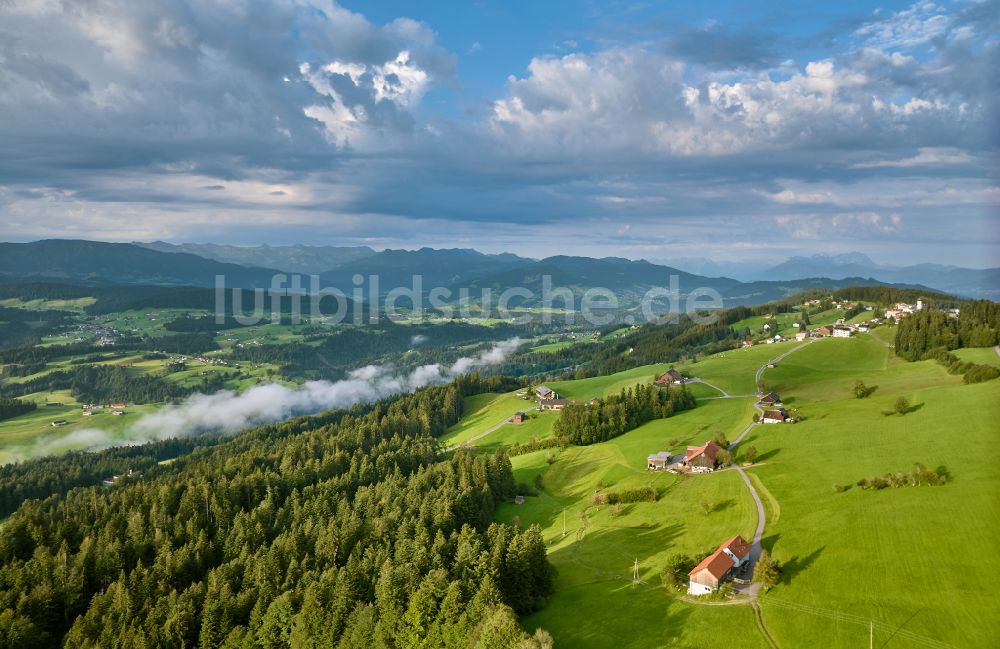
(324, 126)
(926, 157)
(228, 412)
(915, 25)
(867, 223)
(844, 225)
(108, 83)
(789, 197)
(645, 102)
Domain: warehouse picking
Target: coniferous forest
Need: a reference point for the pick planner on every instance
(342, 530)
(617, 414)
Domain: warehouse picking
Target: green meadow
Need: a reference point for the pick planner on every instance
(595, 555)
(914, 562)
(33, 433)
(981, 355)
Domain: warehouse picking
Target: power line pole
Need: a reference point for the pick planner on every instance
(564, 522)
(635, 572)
(871, 634)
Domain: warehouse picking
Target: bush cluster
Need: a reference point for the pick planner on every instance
(920, 475)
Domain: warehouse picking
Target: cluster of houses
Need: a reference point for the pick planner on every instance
(725, 563)
(839, 330)
(117, 478)
(697, 459)
(773, 412)
(901, 309)
(115, 408)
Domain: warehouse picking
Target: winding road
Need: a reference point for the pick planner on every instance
(752, 589)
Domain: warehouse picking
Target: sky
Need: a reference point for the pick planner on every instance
(658, 130)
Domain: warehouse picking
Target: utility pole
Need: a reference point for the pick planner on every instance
(564, 522)
(871, 634)
(635, 572)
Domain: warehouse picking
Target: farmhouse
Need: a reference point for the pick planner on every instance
(517, 418)
(708, 575)
(770, 399)
(800, 336)
(668, 377)
(118, 406)
(658, 461)
(554, 404)
(701, 459)
(774, 416)
(545, 393)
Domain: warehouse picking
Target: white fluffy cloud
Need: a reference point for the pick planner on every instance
(301, 120)
(645, 101)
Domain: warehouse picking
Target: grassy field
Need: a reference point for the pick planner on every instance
(33, 434)
(916, 561)
(787, 320)
(595, 556)
(915, 558)
(601, 386)
(733, 371)
(78, 304)
(885, 333)
(981, 355)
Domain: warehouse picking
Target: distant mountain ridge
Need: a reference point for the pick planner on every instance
(99, 263)
(294, 259)
(968, 282)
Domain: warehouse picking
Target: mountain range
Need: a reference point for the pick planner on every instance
(99, 263)
(968, 282)
(309, 260)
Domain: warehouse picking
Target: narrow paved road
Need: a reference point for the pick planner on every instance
(755, 549)
(486, 432)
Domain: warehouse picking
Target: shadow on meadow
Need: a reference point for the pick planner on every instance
(767, 455)
(797, 565)
(608, 553)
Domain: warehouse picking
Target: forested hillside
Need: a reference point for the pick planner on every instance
(931, 329)
(349, 532)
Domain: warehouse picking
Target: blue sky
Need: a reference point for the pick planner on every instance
(658, 130)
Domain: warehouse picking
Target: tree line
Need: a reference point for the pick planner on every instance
(13, 407)
(923, 333)
(615, 415)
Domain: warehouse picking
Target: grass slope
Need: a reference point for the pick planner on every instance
(917, 558)
(595, 557)
(917, 561)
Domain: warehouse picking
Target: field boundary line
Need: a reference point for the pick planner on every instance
(759, 617)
